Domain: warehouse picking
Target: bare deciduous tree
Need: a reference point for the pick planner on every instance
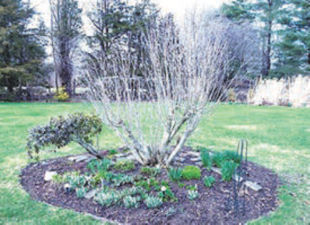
(65, 32)
(184, 77)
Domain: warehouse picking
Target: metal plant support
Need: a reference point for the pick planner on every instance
(236, 201)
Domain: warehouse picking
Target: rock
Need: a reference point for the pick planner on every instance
(91, 194)
(49, 175)
(197, 154)
(249, 184)
(197, 159)
(80, 158)
(198, 163)
(253, 185)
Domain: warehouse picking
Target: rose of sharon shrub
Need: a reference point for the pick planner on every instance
(60, 131)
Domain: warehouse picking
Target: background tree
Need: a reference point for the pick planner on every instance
(21, 47)
(293, 49)
(66, 26)
(117, 26)
(264, 14)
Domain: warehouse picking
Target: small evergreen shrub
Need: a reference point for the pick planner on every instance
(191, 172)
(228, 169)
(209, 181)
(124, 165)
(175, 174)
(153, 202)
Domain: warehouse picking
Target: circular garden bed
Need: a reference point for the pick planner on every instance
(118, 189)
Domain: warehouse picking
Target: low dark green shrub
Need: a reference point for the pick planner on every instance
(191, 172)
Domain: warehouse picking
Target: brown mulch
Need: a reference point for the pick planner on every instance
(212, 206)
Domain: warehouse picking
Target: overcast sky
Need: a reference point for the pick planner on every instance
(177, 7)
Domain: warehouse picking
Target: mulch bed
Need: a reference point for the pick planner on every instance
(210, 208)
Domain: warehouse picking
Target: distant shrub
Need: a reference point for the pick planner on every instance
(175, 174)
(61, 95)
(231, 95)
(209, 181)
(60, 131)
(191, 172)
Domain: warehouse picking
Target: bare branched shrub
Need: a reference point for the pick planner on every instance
(156, 106)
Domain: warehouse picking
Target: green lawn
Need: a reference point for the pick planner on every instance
(278, 139)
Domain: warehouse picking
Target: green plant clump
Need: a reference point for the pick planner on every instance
(209, 181)
(99, 165)
(150, 171)
(228, 169)
(175, 174)
(131, 202)
(81, 192)
(124, 165)
(153, 202)
(108, 198)
(191, 172)
(147, 184)
(192, 194)
(166, 193)
(218, 159)
(206, 159)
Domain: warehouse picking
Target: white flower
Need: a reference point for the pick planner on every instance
(163, 188)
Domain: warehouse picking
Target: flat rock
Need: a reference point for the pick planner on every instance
(197, 154)
(80, 158)
(49, 175)
(253, 186)
(196, 159)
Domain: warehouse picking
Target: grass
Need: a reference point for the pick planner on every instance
(278, 138)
